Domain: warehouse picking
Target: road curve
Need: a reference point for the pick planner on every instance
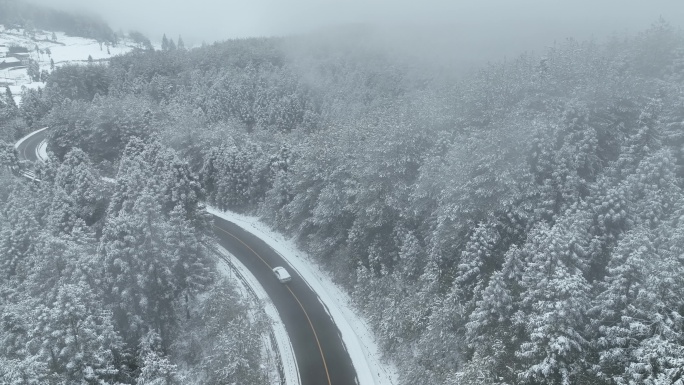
(320, 352)
(27, 147)
(321, 355)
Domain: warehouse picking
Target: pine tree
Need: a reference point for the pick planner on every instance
(554, 301)
(79, 181)
(478, 260)
(626, 277)
(76, 338)
(181, 44)
(155, 369)
(8, 156)
(165, 43)
(15, 330)
(33, 70)
(492, 331)
(17, 235)
(62, 217)
(639, 337)
(180, 188)
(227, 341)
(189, 263)
(140, 277)
(9, 99)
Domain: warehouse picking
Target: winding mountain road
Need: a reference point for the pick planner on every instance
(320, 352)
(27, 148)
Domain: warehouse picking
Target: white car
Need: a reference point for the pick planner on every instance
(282, 274)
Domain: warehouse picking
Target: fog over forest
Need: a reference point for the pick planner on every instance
(478, 30)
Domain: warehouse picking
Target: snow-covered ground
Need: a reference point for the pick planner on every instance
(65, 50)
(42, 151)
(371, 369)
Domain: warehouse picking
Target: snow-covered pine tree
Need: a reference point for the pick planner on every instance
(165, 43)
(553, 309)
(75, 337)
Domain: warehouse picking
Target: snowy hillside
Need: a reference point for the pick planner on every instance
(46, 48)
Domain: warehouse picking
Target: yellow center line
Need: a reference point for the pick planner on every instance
(246, 245)
(320, 349)
(325, 365)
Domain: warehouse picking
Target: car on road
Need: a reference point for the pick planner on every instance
(282, 274)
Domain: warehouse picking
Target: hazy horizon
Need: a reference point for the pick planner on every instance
(483, 31)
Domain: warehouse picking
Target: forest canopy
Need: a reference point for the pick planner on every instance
(519, 225)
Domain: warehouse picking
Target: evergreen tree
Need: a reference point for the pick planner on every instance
(165, 43)
(8, 156)
(76, 338)
(33, 70)
(130, 245)
(637, 336)
(554, 301)
(9, 99)
(492, 331)
(478, 260)
(19, 230)
(626, 277)
(181, 44)
(155, 369)
(81, 183)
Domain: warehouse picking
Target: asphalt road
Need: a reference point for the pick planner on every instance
(321, 355)
(28, 148)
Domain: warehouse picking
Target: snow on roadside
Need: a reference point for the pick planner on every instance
(22, 140)
(284, 346)
(247, 281)
(356, 334)
(41, 151)
(359, 340)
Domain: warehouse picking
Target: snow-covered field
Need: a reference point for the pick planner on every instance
(371, 369)
(66, 49)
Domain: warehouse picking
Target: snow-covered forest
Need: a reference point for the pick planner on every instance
(522, 224)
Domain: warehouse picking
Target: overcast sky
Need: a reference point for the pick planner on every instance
(521, 22)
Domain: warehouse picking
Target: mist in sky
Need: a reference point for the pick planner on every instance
(502, 27)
